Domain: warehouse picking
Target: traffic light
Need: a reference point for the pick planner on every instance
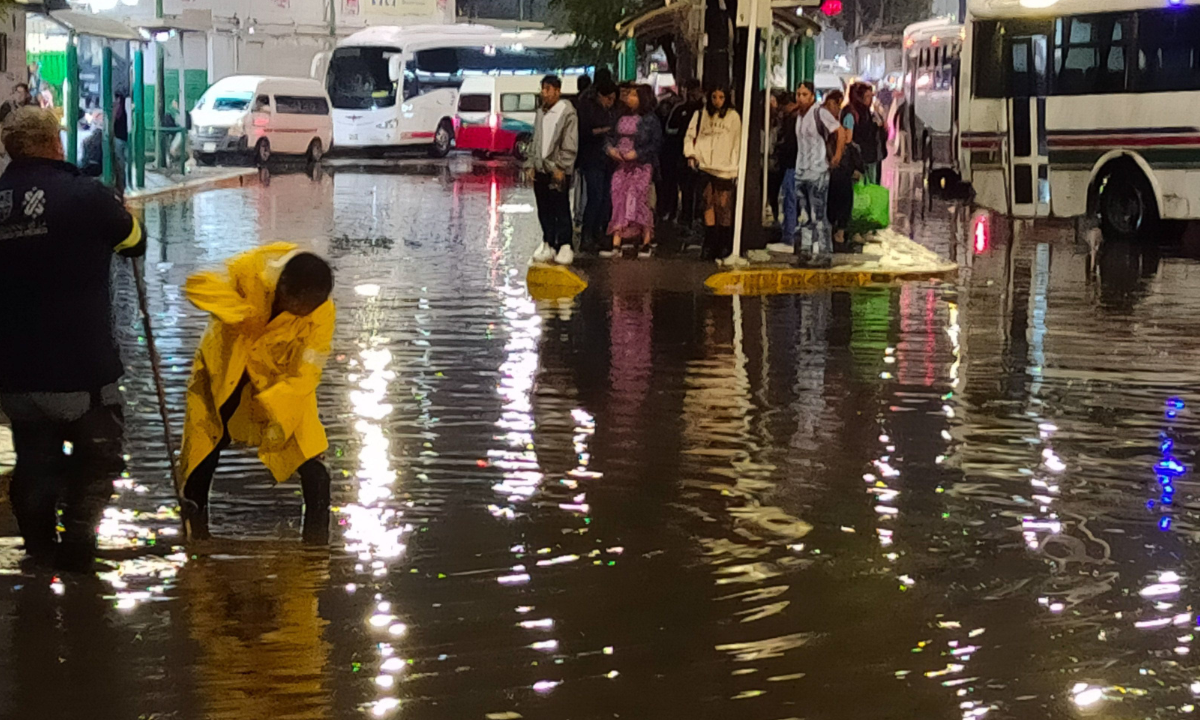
(831, 7)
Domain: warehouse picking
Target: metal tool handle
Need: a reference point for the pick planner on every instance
(140, 281)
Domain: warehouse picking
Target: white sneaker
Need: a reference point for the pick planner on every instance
(565, 255)
(781, 248)
(543, 254)
(606, 254)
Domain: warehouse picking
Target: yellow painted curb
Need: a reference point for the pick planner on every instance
(772, 281)
(553, 282)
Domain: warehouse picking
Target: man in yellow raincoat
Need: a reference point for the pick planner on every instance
(256, 373)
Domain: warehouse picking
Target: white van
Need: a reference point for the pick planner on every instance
(263, 116)
(496, 112)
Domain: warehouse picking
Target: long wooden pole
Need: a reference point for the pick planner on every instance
(139, 278)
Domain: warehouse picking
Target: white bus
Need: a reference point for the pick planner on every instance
(1084, 107)
(396, 86)
(931, 71)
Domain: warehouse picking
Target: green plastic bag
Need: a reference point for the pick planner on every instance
(872, 208)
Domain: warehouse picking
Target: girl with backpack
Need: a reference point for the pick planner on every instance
(815, 128)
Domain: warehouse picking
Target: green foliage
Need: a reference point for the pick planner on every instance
(864, 16)
(594, 23)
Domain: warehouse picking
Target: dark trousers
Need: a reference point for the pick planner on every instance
(841, 197)
(689, 188)
(774, 184)
(314, 481)
(597, 211)
(554, 209)
(81, 482)
(673, 167)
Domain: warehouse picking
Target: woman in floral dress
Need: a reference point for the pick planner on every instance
(634, 145)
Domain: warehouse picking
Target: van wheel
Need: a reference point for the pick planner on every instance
(522, 146)
(262, 152)
(315, 151)
(1125, 202)
(442, 138)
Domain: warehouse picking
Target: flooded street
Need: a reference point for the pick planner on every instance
(932, 500)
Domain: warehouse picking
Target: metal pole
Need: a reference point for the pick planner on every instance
(160, 105)
(138, 144)
(71, 111)
(767, 58)
(106, 102)
(183, 108)
(743, 156)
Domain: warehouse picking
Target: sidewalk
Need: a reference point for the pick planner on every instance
(159, 185)
(888, 257)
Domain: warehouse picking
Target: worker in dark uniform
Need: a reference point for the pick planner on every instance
(60, 365)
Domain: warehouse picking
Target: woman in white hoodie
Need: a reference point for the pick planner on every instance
(713, 146)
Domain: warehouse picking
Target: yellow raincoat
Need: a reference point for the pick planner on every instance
(284, 357)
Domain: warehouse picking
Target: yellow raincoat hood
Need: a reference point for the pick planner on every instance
(284, 358)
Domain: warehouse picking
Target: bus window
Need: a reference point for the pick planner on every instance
(988, 76)
(1089, 54)
(411, 87)
(1168, 43)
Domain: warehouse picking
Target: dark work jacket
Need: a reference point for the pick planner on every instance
(677, 126)
(592, 115)
(58, 233)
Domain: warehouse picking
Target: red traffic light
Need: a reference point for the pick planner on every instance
(831, 7)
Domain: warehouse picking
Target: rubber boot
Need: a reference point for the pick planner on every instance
(708, 249)
(726, 242)
(315, 482)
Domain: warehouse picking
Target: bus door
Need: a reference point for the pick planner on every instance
(1028, 155)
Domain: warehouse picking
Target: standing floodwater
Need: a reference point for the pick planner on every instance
(937, 500)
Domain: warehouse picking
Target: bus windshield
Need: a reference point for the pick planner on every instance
(358, 78)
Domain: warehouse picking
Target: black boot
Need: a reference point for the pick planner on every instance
(726, 242)
(708, 249)
(315, 482)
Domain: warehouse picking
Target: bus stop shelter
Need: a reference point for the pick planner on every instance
(109, 31)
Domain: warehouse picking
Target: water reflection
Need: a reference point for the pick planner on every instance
(933, 500)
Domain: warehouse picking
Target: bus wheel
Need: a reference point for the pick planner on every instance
(522, 146)
(441, 140)
(1125, 202)
(262, 152)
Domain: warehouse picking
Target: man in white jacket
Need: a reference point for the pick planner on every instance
(551, 164)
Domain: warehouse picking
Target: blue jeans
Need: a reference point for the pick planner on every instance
(789, 205)
(812, 195)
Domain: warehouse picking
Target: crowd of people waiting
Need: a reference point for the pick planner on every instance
(641, 161)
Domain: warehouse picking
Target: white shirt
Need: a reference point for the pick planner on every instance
(811, 159)
(551, 119)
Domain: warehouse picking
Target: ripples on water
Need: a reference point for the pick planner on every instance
(934, 501)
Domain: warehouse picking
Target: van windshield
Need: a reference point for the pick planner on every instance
(358, 78)
(232, 101)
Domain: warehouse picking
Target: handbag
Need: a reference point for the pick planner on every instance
(872, 208)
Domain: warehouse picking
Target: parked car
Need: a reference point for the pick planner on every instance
(495, 112)
(262, 116)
